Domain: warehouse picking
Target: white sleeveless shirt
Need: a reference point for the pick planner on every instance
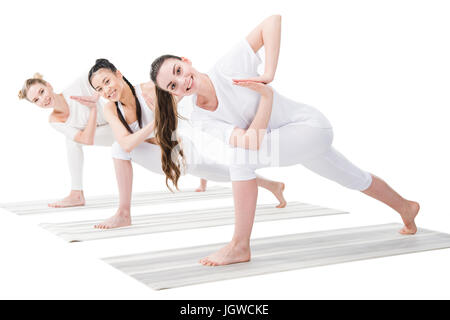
(147, 113)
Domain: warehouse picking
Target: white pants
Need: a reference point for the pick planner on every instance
(75, 157)
(149, 156)
(298, 143)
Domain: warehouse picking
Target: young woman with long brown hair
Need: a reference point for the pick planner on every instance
(261, 121)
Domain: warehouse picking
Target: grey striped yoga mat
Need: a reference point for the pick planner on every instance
(180, 267)
(171, 221)
(110, 201)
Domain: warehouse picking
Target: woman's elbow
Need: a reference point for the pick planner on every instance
(89, 141)
(276, 18)
(85, 141)
(126, 147)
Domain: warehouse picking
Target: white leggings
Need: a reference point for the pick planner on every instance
(298, 143)
(149, 156)
(75, 156)
(295, 143)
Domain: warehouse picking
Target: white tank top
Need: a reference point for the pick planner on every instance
(147, 113)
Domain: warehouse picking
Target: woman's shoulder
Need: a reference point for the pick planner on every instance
(110, 108)
(148, 89)
(148, 93)
(147, 86)
(52, 119)
(55, 118)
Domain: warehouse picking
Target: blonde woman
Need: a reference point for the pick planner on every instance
(81, 125)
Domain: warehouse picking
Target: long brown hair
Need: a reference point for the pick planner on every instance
(166, 124)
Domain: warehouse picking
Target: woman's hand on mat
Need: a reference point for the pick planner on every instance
(88, 101)
(261, 88)
(266, 79)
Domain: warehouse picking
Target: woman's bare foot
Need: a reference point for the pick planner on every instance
(74, 199)
(408, 215)
(277, 188)
(231, 253)
(278, 193)
(122, 218)
(202, 187)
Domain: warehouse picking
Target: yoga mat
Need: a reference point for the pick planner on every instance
(111, 201)
(182, 220)
(180, 267)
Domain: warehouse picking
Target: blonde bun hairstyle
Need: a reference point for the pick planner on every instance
(37, 78)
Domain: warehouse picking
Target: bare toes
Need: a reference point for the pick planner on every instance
(407, 231)
(205, 262)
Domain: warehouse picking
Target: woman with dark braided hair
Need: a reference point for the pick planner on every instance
(81, 125)
(136, 125)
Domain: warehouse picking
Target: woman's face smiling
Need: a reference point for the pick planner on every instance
(178, 77)
(41, 95)
(108, 84)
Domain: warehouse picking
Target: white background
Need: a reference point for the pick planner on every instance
(379, 70)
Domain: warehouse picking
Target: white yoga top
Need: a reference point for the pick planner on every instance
(237, 106)
(78, 113)
(147, 113)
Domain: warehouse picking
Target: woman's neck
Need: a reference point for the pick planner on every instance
(206, 93)
(127, 98)
(206, 87)
(61, 105)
